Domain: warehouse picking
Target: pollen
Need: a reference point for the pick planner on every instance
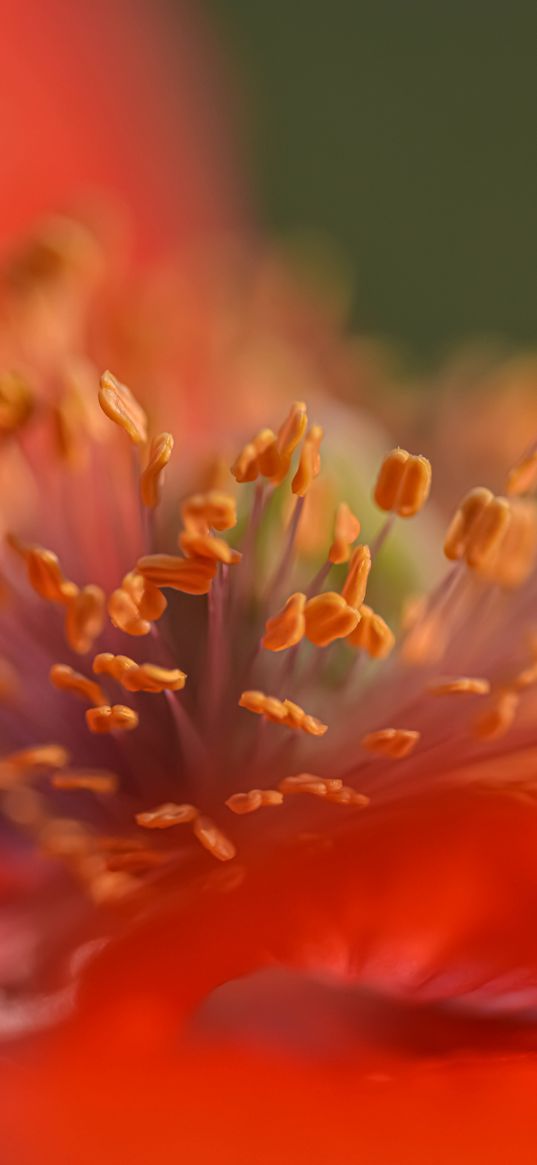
(111, 718)
(213, 510)
(309, 465)
(403, 483)
(329, 617)
(355, 585)
(167, 815)
(93, 781)
(84, 618)
(282, 712)
(396, 743)
(463, 685)
(213, 839)
(151, 480)
(192, 576)
(120, 406)
(346, 531)
(242, 803)
(66, 679)
(287, 628)
(196, 545)
(372, 634)
(139, 677)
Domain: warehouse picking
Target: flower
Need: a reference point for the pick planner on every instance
(230, 767)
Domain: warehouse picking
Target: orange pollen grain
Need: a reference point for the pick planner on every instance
(372, 634)
(120, 406)
(151, 480)
(242, 803)
(111, 718)
(391, 742)
(462, 685)
(309, 465)
(214, 510)
(346, 530)
(282, 712)
(66, 679)
(196, 545)
(213, 839)
(287, 628)
(192, 576)
(167, 815)
(329, 617)
(355, 584)
(94, 781)
(84, 618)
(403, 483)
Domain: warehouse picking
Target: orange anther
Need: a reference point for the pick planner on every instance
(84, 618)
(488, 533)
(213, 839)
(498, 718)
(463, 685)
(258, 456)
(40, 756)
(391, 742)
(293, 428)
(115, 718)
(522, 478)
(295, 717)
(167, 815)
(192, 576)
(309, 783)
(346, 530)
(287, 627)
(282, 712)
(119, 404)
(329, 617)
(515, 558)
(16, 402)
(213, 510)
(46, 576)
(355, 584)
(66, 679)
(94, 781)
(309, 465)
(242, 803)
(403, 483)
(372, 634)
(348, 796)
(527, 678)
(139, 677)
(196, 545)
(151, 479)
(125, 614)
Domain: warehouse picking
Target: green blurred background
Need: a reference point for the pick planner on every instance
(403, 131)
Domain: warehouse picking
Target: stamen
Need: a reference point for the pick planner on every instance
(310, 784)
(119, 404)
(167, 815)
(247, 467)
(522, 478)
(463, 685)
(309, 465)
(346, 530)
(282, 712)
(16, 402)
(497, 720)
(391, 742)
(84, 618)
(66, 679)
(515, 557)
(286, 628)
(136, 604)
(403, 483)
(139, 677)
(355, 585)
(478, 528)
(329, 617)
(372, 634)
(125, 614)
(40, 756)
(45, 575)
(213, 510)
(111, 718)
(98, 781)
(192, 576)
(213, 839)
(242, 803)
(196, 545)
(526, 678)
(151, 479)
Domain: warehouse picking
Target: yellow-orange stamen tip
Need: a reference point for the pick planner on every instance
(66, 679)
(256, 457)
(206, 546)
(111, 718)
(94, 781)
(213, 510)
(355, 585)
(167, 815)
(522, 478)
(372, 634)
(310, 784)
(403, 483)
(287, 628)
(478, 529)
(45, 574)
(213, 839)
(84, 618)
(139, 677)
(391, 742)
(282, 712)
(120, 406)
(309, 465)
(329, 617)
(41, 756)
(192, 576)
(151, 479)
(346, 530)
(463, 685)
(242, 803)
(498, 718)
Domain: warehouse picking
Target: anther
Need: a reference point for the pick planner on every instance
(309, 465)
(94, 781)
(40, 756)
(287, 628)
(192, 576)
(522, 478)
(66, 679)
(282, 712)
(329, 617)
(46, 577)
(84, 618)
(372, 634)
(119, 404)
(242, 803)
(196, 545)
(355, 584)
(151, 480)
(395, 743)
(310, 784)
(262, 449)
(213, 839)
(167, 815)
(213, 510)
(498, 718)
(139, 677)
(403, 483)
(463, 685)
(346, 531)
(16, 402)
(478, 529)
(111, 718)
